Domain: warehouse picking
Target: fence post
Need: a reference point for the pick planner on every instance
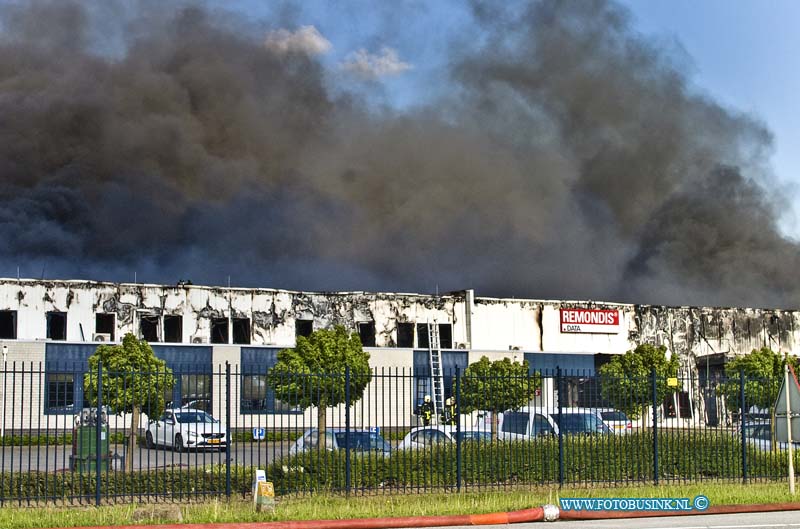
(655, 425)
(458, 429)
(228, 437)
(98, 433)
(347, 476)
(560, 429)
(741, 422)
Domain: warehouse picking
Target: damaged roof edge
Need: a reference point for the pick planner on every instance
(458, 294)
(110, 284)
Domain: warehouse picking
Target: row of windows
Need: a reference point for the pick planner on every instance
(169, 329)
(63, 394)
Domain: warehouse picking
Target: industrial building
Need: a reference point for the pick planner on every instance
(57, 325)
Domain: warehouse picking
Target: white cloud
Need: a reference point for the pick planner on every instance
(305, 39)
(372, 66)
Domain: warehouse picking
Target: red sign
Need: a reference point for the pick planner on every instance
(590, 321)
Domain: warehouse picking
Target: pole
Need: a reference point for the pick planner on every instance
(654, 383)
(788, 423)
(98, 437)
(560, 429)
(347, 403)
(742, 425)
(228, 439)
(3, 405)
(458, 429)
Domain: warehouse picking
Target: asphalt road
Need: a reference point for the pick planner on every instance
(57, 458)
(770, 520)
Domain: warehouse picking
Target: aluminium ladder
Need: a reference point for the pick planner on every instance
(435, 361)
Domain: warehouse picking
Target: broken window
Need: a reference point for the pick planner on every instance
(148, 328)
(173, 329)
(366, 330)
(57, 325)
(241, 330)
(104, 324)
(8, 324)
(219, 330)
(422, 335)
(445, 335)
(405, 335)
(303, 327)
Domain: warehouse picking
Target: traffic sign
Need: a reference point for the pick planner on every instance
(259, 433)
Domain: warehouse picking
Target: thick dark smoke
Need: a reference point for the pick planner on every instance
(571, 159)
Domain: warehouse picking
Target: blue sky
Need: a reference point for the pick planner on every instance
(741, 53)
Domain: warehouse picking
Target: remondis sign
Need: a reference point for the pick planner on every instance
(590, 321)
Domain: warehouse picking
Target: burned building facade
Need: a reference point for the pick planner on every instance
(58, 324)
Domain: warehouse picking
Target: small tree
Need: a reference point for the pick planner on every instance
(625, 382)
(133, 380)
(763, 375)
(497, 386)
(313, 373)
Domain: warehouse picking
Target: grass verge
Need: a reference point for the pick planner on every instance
(323, 506)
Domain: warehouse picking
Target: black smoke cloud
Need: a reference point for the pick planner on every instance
(570, 159)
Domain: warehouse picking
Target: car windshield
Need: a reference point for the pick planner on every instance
(475, 436)
(363, 441)
(579, 422)
(190, 417)
(613, 416)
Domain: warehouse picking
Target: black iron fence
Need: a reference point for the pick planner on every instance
(76, 436)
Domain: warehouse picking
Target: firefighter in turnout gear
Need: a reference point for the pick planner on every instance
(448, 415)
(425, 410)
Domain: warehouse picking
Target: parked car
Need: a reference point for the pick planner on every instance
(530, 422)
(580, 421)
(759, 434)
(185, 428)
(616, 420)
(361, 440)
(525, 423)
(426, 436)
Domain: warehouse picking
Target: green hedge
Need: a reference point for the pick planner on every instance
(628, 458)
(682, 456)
(54, 439)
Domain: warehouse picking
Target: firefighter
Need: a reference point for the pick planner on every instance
(448, 415)
(425, 410)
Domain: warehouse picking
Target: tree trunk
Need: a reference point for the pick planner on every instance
(132, 436)
(321, 426)
(495, 424)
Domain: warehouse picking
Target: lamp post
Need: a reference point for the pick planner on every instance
(3, 405)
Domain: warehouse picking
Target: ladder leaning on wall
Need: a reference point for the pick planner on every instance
(435, 361)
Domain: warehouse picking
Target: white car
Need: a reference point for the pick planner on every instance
(617, 421)
(185, 428)
(427, 436)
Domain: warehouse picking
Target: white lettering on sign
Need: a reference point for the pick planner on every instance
(590, 321)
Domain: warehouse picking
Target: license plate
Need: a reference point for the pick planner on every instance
(213, 441)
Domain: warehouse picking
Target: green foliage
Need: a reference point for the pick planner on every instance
(763, 375)
(683, 456)
(313, 373)
(132, 377)
(626, 381)
(497, 386)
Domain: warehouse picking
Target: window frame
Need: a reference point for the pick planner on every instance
(66, 409)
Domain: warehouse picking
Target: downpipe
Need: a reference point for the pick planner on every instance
(546, 513)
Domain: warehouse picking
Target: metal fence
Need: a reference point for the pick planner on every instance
(66, 433)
